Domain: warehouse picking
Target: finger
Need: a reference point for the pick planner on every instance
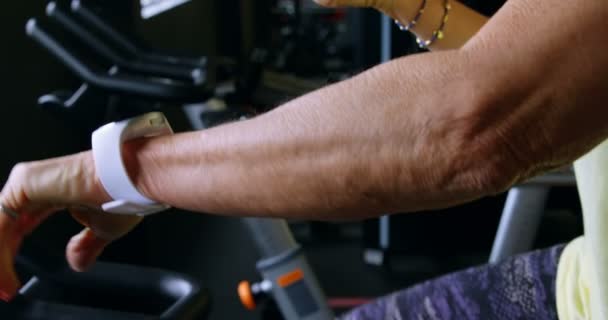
(9, 283)
(105, 225)
(83, 250)
(102, 228)
(12, 232)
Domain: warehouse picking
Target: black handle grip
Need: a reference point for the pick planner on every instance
(45, 265)
(24, 309)
(182, 296)
(122, 42)
(184, 73)
(117, 83)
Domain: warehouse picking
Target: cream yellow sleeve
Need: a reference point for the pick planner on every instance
(572, 288)
(582, 279)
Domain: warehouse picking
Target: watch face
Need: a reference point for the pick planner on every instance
(151, 8)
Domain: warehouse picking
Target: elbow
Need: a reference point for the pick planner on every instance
(484, 166)
(492, 173)
(495, 145)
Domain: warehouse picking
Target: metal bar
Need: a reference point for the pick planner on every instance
(385, 55)
(519, 222)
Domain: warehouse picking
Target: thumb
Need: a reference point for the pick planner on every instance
(101, 229)
(84, 249)
(9, 283)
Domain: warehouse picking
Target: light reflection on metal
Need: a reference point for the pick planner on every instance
(152, 8)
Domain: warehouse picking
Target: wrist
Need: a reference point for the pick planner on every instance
(135, 155)
(108, 152)
(94, 192)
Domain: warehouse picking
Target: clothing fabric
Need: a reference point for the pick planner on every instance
(582, 284)
(571, 282)
(520, 288)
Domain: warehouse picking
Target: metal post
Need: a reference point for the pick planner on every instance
(385, 55)
(519, 222)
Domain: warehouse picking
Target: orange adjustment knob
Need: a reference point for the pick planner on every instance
(246, 295)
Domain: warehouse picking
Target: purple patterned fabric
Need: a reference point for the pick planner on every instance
(520, 288)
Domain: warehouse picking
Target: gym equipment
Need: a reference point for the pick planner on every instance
(152, 8)
(191, 71)
(522, 213)
(287, 274)
(107, 291)
(115, 80)
(129, 86)
(119, 41)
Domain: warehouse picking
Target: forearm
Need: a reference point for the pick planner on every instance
(358, 148)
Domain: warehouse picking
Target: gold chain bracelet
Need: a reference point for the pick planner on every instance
(437, 34)
(414, 21)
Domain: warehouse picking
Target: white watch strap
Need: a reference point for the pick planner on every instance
(107, 152)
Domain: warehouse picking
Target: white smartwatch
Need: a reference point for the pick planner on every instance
(107, 153)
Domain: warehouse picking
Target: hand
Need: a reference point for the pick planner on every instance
(35, 191)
